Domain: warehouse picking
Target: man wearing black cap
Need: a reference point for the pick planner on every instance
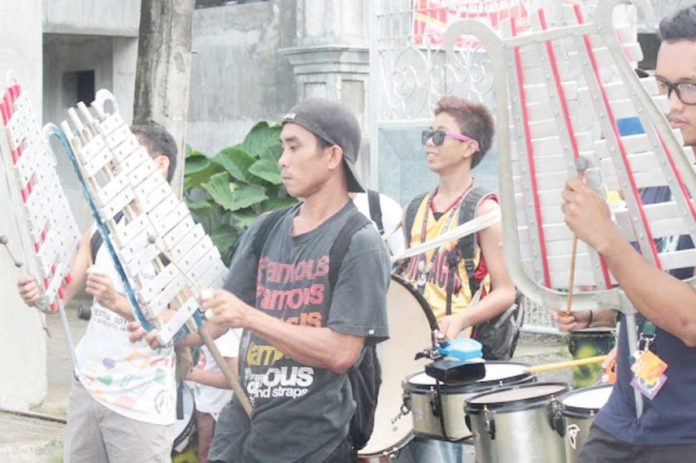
(302, 334)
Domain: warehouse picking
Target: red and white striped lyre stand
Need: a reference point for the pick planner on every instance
(164, 259)
(50, 235)
(565, 89)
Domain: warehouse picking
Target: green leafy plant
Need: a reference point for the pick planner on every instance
(226, 192)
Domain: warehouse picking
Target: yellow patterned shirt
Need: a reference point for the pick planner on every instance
(429, 271)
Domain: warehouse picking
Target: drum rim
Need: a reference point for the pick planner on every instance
(592, 331)
(581, 412)
(420, 298)
(398, 447)
(514, 405)
(474, 387)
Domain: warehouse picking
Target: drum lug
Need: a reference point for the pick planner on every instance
(489, 424)
(556, 417)
(435, 404)
(405, 403)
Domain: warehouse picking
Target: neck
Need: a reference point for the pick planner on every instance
(318, 207)
(453, 184)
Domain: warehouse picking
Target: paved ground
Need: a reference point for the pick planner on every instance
(38, 438)
(35, 439)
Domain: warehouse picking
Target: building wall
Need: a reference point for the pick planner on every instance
(23, 345)
(237, 75)
(92, 17)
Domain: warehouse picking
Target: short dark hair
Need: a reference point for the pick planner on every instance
(680, 26)
(474, 120)
(158, 142)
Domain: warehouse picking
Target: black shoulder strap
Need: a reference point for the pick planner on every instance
(410, 215)
(265, 228)
(355, 222)
(375, 210)
(94, 244)
(467, 245)
(97, 239)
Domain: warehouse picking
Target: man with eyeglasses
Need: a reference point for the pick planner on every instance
(666, 430)
(461, 134)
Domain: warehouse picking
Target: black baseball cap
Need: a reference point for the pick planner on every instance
(336, 124)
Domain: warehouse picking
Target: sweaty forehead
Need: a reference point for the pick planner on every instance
(676, 60)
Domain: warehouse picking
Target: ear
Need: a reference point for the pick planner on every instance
(471, 149)
(162, 162)
(335, 157)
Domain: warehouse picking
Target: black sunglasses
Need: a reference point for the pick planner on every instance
(439, 136)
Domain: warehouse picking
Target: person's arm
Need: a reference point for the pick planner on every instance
(661, 298)
(502, 293)
(30, 290)
(583, 319)
(136, 333)
(313, 346)
(212, 378)
(102, 288)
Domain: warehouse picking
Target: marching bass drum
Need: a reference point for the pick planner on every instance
(411, 323)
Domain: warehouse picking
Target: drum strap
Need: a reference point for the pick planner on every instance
(375, 210)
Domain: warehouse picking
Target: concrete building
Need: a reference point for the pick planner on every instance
(23, 345)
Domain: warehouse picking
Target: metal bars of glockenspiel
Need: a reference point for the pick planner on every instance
(39, 204)
(143, 217)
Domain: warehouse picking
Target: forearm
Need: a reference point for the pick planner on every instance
(603, 317)
(122, 307)
(213, 378)
(317, 347)
(661, 298)
(194, 339)
(208, 378)
(495, 303)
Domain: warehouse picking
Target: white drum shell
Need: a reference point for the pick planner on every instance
(522, 433)
(577, 418)
(423, 399)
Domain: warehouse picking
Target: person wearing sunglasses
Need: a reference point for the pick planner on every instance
(462, 293)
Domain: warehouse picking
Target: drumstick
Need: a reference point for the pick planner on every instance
(17, 263)
(567, 364)
(231, 377)
(582, 164)
(4, 241)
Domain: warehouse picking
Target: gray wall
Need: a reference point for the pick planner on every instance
(92, 17)
(23, 351)
(237, 75)
(113, 60)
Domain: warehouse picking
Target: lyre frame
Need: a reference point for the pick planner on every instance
(495, 46)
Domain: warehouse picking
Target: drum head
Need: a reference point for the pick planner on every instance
(586, 401)
(515, 396)
(497, 374)
(410, 326)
